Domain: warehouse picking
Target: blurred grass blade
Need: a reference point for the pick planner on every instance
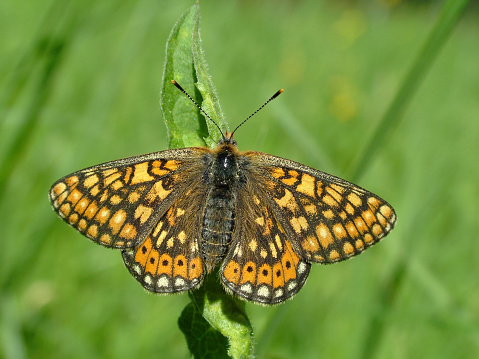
(11, 157)
(448, 18)
(215, 324)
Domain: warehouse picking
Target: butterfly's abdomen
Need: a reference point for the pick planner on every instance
(219, 215)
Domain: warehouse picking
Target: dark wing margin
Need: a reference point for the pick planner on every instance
(117, 204)
(327, 218)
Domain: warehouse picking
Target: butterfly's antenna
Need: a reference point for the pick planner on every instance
(196, 104)
(254, 113)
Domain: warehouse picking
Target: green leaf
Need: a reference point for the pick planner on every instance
(215, 324)
(185, 63)
(212, 317)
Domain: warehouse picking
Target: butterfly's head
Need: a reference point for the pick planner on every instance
(228, 139)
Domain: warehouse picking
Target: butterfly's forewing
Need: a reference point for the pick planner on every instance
(327, 218)
(117, 204)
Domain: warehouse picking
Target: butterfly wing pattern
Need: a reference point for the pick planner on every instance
(128, 204)
(294, 215)
(279, 217)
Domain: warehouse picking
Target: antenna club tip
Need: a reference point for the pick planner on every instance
(281, 91)
(173, 82)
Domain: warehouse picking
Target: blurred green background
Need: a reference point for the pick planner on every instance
(80, 85)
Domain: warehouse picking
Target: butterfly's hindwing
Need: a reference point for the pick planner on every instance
(170, 260)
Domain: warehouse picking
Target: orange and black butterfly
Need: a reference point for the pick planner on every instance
(178, 214)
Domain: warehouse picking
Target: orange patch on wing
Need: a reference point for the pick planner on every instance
(232, 272)
(195, 268)
(103, 215)
(58, 188)
(70, 181)
(333, 255)
(310, 244)
(277, 172)
(278, 280)
(117, 220)
(143, 252)
(171, 165)
(180, 266)
(249, 273)
(348, 248)
(140, 173)
(110, 179)
(143, 213)
(307, 185)
(105, 239)
(74, 196)
(324, 235)
(265, 275)
(157, 170)
(165, 265)
(128, 231)
(152, 261)
(351, 228)
(91, 210)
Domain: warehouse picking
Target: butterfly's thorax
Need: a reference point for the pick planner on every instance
(223, 177)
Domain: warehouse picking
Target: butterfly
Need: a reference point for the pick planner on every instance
(179, 214)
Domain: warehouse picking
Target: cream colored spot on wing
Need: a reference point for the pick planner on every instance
(260, 221)
(263, 253)
(307, 185)
(103, 215)
(355, 199)
(133, 197)
(143, 213)
(180, 212)
(287, 201)
(253, 245)
(324, 235)
(330, 201)
(256, 199)
(333, 255)
(339, 231)
(140, 173)
(299, 224)
(170, 242)
(182, 237)
(278, 242)
(161, 238)
(311, 209)
(157, 191)
(272, 248)
(117, 220)
(115, 199)
(348, 248)
(329, 214)
(90, 181)
(157, 228)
